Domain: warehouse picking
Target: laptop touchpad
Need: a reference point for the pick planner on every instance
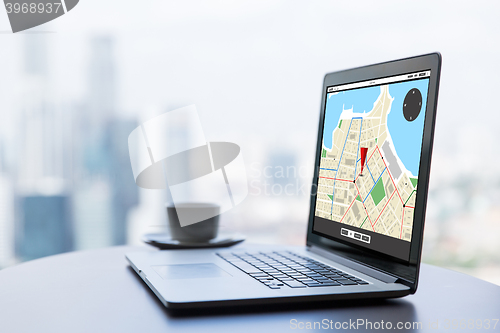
(190, 271)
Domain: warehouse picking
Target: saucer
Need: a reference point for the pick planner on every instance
(164, 241)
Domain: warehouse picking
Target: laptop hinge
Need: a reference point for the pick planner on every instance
(354, 265)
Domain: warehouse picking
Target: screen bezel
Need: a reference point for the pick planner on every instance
(406, 272)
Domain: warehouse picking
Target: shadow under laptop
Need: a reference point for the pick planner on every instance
(369, 310)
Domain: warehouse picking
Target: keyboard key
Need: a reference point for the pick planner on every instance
(322, 279)
(306, 281)
(267, 260)
(232, 259)
(247, 268)
(331, 284)
(346, 282)
(321, 271)
(349, 276)
(313, 275)
(259, 275)
(294, 284)
(286, 279)
(269, 281)
(280, 267)
(227, 256)
(264, 278)
(270, 271)
(277, 276)
(333, 276)
(262, 267)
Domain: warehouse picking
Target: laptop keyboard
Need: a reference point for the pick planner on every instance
(279, 269)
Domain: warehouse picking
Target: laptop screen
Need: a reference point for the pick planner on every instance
(369, 164)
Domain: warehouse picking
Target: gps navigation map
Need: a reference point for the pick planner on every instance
(370, 157)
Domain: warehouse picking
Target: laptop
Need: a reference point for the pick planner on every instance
(367, 204)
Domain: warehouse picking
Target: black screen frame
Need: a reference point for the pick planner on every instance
(406, 272)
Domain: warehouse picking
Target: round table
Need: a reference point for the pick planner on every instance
(96, 291)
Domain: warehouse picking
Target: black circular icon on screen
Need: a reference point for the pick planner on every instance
(412, 104)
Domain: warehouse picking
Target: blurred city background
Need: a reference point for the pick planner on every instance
(72, 90)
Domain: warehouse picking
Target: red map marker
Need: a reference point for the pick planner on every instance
(363, 157)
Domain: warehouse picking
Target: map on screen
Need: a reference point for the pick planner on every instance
(371, 145)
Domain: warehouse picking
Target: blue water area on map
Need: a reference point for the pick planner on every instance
(407, 135)
(360, 100)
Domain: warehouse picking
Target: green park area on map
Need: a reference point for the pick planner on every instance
(382, 197)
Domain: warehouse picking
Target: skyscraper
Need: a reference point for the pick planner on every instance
(124, 191)
(6, 221)
(45, 230)
(43, 199)
(102, 156)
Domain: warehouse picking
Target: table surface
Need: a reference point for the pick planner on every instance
(96, 291)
